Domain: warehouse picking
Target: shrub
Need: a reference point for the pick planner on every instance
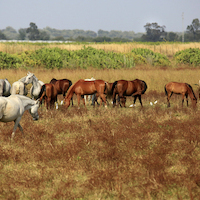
(150, 57)
(8, 61)
(188, 56)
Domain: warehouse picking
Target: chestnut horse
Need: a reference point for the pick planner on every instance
(108, 93)
(180, 88)
(82, 87)
(49, 94)
(62, 86)
(125, 88)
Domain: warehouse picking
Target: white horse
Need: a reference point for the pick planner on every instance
(36, 85)
(19, 87)
(89, 97)
(13, 107)
(4, 87)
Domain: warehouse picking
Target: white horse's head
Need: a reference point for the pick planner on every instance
(34, 110)
(29, 78)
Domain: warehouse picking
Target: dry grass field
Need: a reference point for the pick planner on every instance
(96, 153)
(168, 49)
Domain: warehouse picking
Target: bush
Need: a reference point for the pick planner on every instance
(8, 61)
(150, 57)
(91, 57)
(188, 56)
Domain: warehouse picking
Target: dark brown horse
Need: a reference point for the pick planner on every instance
(49, 94)
(81, 88)
(125, 88)
(180, 88)
(62, 86)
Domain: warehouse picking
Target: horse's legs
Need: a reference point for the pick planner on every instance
(82, 97)
(15, 127)
(78, 99)
(114, 99)
(48, 102)
(123, 101)
(168, 98)
(186, 95)
(139, 96)
(103, 98)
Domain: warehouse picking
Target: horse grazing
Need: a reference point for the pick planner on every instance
(36, 85)
(19, 87)
(125, 88)
(49, 94)
(4, 87)
(62, 86)
(13, 107)
(180, 88)
(82, 87)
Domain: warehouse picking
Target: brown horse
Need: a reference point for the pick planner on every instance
(125, 88)
(62, 86)
(180, 88)
(49, 94)
(81, 88)
(108, 93)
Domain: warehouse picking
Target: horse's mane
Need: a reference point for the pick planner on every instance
(35, 77)
(190, 87)
(22, 79)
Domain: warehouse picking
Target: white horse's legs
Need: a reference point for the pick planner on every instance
(56, 105)
(17, 124)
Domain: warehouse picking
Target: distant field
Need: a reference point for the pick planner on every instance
(168, 49)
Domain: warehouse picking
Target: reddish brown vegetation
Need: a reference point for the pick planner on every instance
(149, 153)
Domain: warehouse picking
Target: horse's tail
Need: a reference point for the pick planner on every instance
(113, 87)
(166, 93)
(17, 89)
(190, 87)
(145, 87)
(43, 89)
(70, 84)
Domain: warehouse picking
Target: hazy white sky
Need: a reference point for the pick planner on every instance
(121, 15)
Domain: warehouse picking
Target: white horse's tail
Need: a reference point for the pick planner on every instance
(15, 89)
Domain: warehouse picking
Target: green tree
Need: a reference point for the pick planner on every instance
(154, 32)
(44, 35)
(2, 36)
(171, 36)
(194, 29)
(33, 32)
(102, 33)
(10, 33)
(22, 33)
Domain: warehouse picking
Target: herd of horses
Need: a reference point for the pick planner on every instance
(14, 102)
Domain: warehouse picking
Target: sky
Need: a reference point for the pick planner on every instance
(107, 15)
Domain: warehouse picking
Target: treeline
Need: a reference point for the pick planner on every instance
(154, 33)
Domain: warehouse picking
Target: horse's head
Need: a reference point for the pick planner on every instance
(66, 102)
(34, 110)
(194, 102)
(29, 78)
